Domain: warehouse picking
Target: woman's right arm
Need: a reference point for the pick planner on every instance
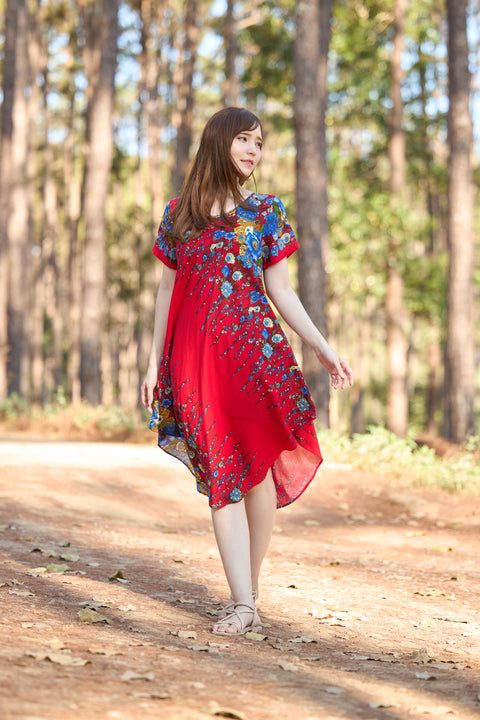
(162, 307)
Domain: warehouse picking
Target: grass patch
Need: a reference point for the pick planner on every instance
(59, 420)
(384, 453)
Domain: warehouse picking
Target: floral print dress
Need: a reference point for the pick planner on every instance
(231, 401)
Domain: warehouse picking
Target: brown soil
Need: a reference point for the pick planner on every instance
(369, 596)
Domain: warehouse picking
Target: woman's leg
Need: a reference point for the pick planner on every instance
(232, 534)
(260, 506)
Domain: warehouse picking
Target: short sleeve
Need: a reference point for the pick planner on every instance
(164, 246)
(278, 238)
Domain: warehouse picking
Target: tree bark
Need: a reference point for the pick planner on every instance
(311, 54)
(8, 90)
(397, 398)
(97, 169)
(460, 349)
(184, 110)
(18, 226)
(230, 87)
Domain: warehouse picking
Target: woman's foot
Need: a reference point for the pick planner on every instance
(242, 619)
(228, 608)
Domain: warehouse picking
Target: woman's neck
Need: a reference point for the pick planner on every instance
(230, 203)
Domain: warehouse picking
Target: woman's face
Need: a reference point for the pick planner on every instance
(246, 150)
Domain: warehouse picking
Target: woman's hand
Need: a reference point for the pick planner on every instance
(340, 372)
(148, 386)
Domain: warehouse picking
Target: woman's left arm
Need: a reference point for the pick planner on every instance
(285, 299)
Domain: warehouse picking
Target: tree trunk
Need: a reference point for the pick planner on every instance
(460, 350)
(230, 88)
(397, 399)
(18, 226)
(311, 53)
(184, 109)
(97, 169)
(8, 91)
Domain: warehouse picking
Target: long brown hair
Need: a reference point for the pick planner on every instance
(213, 175)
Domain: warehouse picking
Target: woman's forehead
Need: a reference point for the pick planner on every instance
(256, 130)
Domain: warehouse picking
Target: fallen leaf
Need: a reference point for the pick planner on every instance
(92, 616)
(3, 527)
(440, 548)
(131, 675)
(225, 712)
(117, 575)
(69, 557)
(22, 593)
(35, 572)
(288, 667)
(255, 636)
(185, 634)
(64, 543)
(376, 705)
(186, 601)
(311, 523)
(127, 608)
(422, 656)
(303, 639)
(53, 568)
(63, 657)
(432, 592)
(334, 690)
(150, 695)
(199, 648)
(56, 644)
(93, 564)
(425, 676)
(99, 650)
(48, 552)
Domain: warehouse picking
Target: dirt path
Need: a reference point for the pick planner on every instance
(370, 596)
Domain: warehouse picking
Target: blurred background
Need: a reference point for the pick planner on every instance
(371, 117)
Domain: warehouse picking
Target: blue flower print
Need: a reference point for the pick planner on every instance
(254, 244)
(225, 271)
(246, 214)
(265, 333)
(237, 275)
(277, 338)
(230, 258)
(255, 296)
(302, 405)
(267, 350)
(246, 260)
(271, 224)
(226, 289)
(236, 495)
(268, 322)
(274, 251)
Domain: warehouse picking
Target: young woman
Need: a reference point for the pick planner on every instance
(225, 392)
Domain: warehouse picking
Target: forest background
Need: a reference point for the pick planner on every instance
(361, 102)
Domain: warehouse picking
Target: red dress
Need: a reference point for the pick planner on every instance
(231, 401)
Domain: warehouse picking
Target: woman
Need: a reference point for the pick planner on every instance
(226, 394)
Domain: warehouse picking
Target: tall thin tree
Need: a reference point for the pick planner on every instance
(460, 349)
(18, 226)
(8, 92)
(184, 112)
(397, 400)
(311, 54)
(103, 38)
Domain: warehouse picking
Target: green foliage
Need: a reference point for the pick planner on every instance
(13, 406)
(380, 451)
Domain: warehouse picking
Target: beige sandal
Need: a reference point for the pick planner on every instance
(237, 618)
(228, 608)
